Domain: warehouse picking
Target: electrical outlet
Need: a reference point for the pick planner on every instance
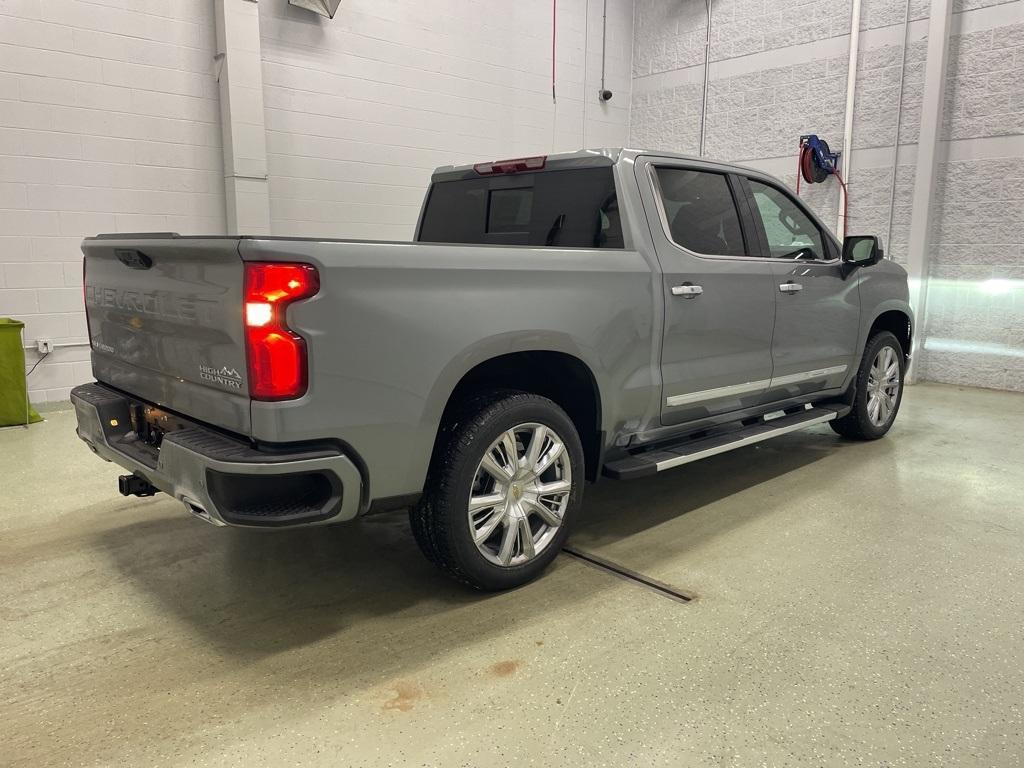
(44, 346)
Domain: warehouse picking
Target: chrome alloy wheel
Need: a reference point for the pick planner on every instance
(520, 493)
(883, 386)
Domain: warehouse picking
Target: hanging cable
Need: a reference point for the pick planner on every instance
(554, 28)
(604, 42)
(586, 51)
(896, 137)
(707, 63)
(33, 368)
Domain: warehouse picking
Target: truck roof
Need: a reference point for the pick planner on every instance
(583, 158)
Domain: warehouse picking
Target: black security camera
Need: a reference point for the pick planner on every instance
(604, 95)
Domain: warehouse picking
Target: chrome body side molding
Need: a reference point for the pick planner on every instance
(752, 386)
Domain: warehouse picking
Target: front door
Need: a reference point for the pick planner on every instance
(817, 313)
(719, 293)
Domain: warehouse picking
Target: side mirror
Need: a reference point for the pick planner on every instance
(861, 250)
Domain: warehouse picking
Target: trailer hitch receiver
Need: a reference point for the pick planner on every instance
(133, 485)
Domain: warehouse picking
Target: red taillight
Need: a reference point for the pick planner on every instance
(511, 166)
(278, 368)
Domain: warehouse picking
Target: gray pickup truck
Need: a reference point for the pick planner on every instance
(610, 313)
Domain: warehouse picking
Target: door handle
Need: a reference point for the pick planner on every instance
(790, 287)
(687, 290)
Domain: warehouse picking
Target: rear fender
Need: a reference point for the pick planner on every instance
(480, 352)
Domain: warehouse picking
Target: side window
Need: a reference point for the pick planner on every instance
(700, 210)
(570, 208)
(791, 233)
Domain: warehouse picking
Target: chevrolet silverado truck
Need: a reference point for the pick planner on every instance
(606, 313)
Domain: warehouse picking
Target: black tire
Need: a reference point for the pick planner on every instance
(419, 515)
(857, 424)
(440, 522)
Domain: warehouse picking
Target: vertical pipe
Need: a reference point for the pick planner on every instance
(707, 61)
(604, 41)
(851, 91)
(932, 100)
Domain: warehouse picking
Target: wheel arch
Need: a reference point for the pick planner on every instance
(560, 374)
(899, 322)
(893, 315)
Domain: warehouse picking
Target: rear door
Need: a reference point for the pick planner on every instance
(719, 298)
(817, 314)
(165, 323)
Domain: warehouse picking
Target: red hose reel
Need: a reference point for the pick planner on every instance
(815, 163)
(810, 168)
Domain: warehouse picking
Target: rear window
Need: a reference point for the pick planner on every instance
(562, 209)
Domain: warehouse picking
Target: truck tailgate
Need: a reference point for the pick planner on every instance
(165, 322)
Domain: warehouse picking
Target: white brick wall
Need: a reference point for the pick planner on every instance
(779, 70)
(360, 109)
(108, 123)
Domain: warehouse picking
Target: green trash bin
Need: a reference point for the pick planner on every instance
(14, 405)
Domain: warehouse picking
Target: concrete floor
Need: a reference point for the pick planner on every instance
(858, 604)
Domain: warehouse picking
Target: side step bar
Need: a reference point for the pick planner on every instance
(651, 462)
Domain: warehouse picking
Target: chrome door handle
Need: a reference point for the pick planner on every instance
(687, 290)
(790, 287)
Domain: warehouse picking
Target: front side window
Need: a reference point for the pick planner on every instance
(700, 211)
(791, 233)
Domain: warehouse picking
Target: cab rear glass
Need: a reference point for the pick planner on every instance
(573, 208)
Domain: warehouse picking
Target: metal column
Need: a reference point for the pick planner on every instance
(240, 76)
(933, 99)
